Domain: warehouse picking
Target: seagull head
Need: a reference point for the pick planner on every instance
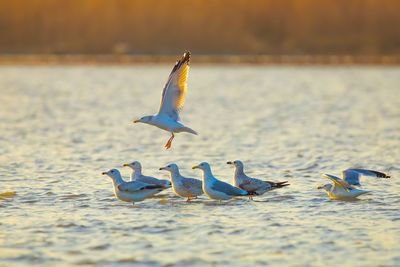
(236, 163)
(326, 187)
(135, 165)
(113, 173)
(202, 166)
(145, 119)
(171, 168)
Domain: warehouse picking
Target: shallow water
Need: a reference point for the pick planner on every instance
(62, 126)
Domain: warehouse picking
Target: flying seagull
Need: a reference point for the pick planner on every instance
(216, 189)
(172, 100)
(340, 189)
(183, 186)
(249, 184)
(133, 191)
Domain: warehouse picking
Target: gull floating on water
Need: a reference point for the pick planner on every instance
(352, 176)
(183, 187)
(341, 190)
(172, 100)
(131, 191)
(216, 189)
(253, 185)
(137, 175)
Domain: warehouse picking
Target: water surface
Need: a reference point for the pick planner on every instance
(62, 126)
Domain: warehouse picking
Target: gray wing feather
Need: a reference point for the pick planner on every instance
(155, 181)
(228, 189)
(135, 186)
(193, 184)
(190, 182)
(351, 177)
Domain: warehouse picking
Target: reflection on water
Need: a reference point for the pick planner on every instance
(62, 126)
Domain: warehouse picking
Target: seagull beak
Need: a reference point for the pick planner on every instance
(135, 121)
(104, 173)
(125, 165)
(162, 168)
(195, 167)
(320, 187)
(229, 162)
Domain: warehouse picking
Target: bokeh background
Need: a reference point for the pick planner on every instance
(214, 27)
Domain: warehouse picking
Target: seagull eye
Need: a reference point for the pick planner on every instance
(169, 166)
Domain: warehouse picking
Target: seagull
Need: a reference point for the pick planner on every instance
(131, 191)
(249, 184)
(216, 189)
(183, 187)
(137, 175)
(352, 176)
(172, 100)
(341, 190)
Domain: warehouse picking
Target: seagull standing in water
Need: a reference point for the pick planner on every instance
(352, 176)
(259, 187)
(131, 191)
(216, 189)
(137, 175)
(183, 187)
(172, 100)
(341, 190)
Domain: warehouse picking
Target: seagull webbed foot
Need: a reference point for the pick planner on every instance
(169, 142)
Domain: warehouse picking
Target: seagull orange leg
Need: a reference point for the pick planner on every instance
(169, 143)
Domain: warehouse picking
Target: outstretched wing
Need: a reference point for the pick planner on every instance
(338, 182)
(174, 93)
(352, 176)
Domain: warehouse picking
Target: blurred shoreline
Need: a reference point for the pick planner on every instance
(112, 59)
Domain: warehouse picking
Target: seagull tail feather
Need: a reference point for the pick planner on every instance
(189, 130)
(278, 184)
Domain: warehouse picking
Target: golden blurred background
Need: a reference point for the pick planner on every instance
(213, 27)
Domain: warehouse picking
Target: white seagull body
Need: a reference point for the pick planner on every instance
(341, 190)
(172, 100)
(352, 176)
(216, 189)
(257, 186)
(137, 175)
(131, 191)
(183, 186)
